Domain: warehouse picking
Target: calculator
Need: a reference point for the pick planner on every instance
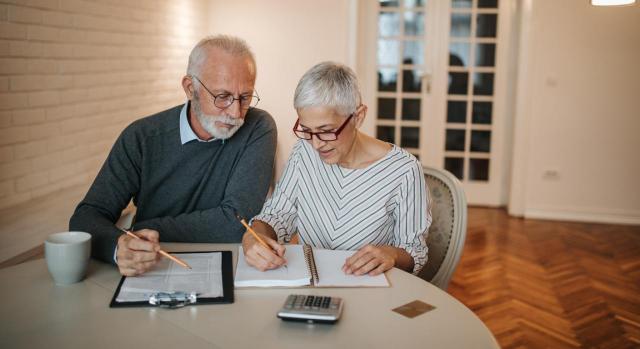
(311, 309)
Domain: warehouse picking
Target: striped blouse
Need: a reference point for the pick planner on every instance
(333, 207)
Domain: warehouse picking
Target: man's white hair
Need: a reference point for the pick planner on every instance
(328, 84)
(230, 44)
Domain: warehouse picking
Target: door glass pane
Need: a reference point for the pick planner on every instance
(413, 52)
(479, 169)
(411, 81)
(459, 54)
(485, 55)
(386, 133)
(460, 25)
(486, 25)
(455, 166)
(387, 79)
(461, 3)
(413, 3)
(456, 112)
(410, 137)
(388, 52)
(413, 23)
(458, 83)
(389, 24)
(487, 3)
(386, 108)
(481, 113)
(454, 140)
(389, 3)
(410, 109)
(483, 84)
(481, 141)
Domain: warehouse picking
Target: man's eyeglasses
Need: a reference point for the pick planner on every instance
(225, 100)
(323, 136)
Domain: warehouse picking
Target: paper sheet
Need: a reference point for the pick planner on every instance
(205, 278)
(330, 272)
(295, 274)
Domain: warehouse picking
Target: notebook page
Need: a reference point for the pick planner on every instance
(295, 274)
(205, 278)
(329, 264)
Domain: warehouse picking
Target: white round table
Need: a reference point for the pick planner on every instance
(35, 313)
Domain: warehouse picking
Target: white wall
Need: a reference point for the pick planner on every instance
(577, 139)
(74, 73)
(288, 37)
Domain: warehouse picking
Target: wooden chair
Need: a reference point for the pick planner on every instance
(448, 229)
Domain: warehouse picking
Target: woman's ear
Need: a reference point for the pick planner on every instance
(361, 114)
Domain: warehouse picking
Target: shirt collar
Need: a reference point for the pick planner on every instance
(186, 132)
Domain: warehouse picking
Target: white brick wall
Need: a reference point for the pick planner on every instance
(74, 73)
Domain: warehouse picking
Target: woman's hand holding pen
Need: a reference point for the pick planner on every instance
(136, 256)
(259, 255)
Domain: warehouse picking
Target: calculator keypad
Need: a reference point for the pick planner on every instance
(311, 308)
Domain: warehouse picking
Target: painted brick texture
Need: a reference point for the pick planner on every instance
(74, 73)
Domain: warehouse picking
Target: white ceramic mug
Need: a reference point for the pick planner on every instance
(67, 256)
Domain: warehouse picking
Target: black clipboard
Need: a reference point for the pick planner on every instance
(227, 285)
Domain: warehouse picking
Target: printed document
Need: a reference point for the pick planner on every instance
(205, 278)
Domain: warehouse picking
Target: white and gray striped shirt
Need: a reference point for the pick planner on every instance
(333, 207)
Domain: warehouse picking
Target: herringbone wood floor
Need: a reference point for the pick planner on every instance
(546, 284)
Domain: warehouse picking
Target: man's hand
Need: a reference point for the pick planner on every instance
(372, 260)
(136, 256)
(260, 257)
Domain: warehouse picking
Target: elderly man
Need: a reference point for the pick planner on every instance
(189, 169)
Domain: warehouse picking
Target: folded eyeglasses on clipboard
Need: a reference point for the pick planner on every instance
(172, 300)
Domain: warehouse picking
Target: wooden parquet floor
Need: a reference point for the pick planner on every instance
(546, 284)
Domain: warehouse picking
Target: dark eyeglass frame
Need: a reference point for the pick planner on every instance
(323, 136)
(227, 99)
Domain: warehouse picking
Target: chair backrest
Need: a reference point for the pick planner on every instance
(448, 228)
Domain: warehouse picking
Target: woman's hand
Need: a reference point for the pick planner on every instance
(372, 260)
(260, 257)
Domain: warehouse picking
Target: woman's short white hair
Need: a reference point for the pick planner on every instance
(328, 84)
(230, 44)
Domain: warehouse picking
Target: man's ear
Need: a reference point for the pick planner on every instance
(361, 114)
(187, 85)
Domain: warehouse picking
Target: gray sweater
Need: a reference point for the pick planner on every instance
(188, 193)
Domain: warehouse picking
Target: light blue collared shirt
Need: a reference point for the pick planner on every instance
(186, 132)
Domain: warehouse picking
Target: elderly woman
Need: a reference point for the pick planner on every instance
(342, 189)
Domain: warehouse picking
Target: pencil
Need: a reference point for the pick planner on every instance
(256, 235)
(171, 257)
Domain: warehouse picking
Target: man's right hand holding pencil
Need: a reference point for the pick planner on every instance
(136, 256)
(261, 250)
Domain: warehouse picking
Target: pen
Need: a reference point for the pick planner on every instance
(173, 258)
(255, 235)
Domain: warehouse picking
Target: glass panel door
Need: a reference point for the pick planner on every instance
(400, 67)
(437, 85)
(470, 89)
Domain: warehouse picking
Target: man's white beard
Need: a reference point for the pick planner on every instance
(208, 122)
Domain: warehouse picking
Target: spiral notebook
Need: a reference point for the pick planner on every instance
(306, 266)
